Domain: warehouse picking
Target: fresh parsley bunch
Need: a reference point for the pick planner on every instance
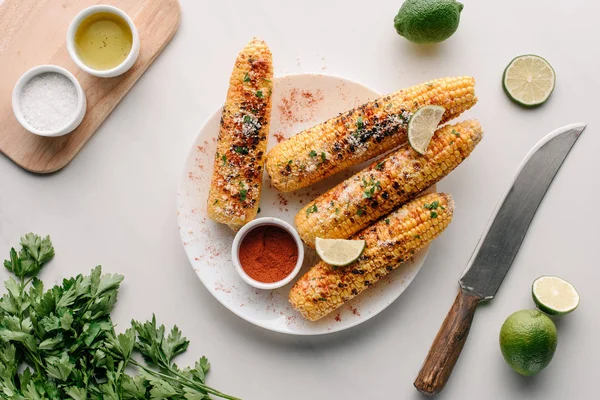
(61, 343)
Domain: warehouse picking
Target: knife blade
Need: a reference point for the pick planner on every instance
(496, 251)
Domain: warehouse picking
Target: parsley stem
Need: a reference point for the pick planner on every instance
(189, 382)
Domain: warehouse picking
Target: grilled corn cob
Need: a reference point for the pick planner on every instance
(362, 133)
(389, 242)
(375, 191)
(238, 168)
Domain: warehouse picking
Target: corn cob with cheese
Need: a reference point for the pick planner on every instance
(389, 242)
(387, 183)
(238, 167)
(362, 133)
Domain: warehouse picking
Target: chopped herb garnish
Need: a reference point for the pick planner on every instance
(331, 203)
(379, 166)
(270, 91)
(311, 209)
(370, 188)
(224, 159)
(290, 161)
(455, 133)
(241, 150)
(387, 221)
(243, 194)
(312, 153)
(266, 80)
(337, 210)
(247, 119)
(241, 184)
(417, 236)
(360, 211)
(432, 206)
(259, 94)
(216, 201)
(359, 123)
(434, 214)
(322, 299)
(258, 211)
(246, 77)
(323, 156)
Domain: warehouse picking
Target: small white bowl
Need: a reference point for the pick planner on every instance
(106, 73)
(77, 115)
(239, 237)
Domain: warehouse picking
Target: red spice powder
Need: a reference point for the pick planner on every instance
(268, 253)
(295, 101)
(280, 137)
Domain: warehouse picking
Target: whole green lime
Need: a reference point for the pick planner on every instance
(528, 341)
(428, 21)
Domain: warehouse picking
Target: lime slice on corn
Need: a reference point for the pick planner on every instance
(422, 125)
(529, 80)
(339, 252)
(554, 295)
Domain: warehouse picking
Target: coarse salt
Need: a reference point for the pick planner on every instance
(49, 101)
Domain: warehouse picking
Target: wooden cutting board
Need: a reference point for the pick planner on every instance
(33, 32)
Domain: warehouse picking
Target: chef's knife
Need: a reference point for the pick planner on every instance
(495, 252)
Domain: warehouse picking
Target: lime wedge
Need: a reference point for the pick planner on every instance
(554, 295)
(422, 125)
(529, 80)
(339, 252)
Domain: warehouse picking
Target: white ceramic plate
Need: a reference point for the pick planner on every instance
(299, 101)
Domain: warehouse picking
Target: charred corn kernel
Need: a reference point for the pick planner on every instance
(387, 183)
(362, 133)
(238, 168)
(389, 242)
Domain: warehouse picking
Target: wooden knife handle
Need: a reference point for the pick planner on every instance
(447, 345)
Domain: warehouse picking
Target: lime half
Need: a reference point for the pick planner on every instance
(339, 252)
(422, 126)
(554, 295)
(529, 80)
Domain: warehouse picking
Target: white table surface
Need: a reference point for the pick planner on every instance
(115, 203)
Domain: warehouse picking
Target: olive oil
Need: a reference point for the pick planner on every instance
(103, 40)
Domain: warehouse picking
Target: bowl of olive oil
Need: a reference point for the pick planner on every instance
(103, 41)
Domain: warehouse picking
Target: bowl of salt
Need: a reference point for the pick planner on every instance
(48, 101)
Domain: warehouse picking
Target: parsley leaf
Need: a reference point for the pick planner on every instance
(311, 209)
(246, 77)
(224, 159)
(247, 119)
(359, 123)
(433, 206)
(61, 343)
(434, 214)
(387, 221)
(455, 133)
(243, 194)
(259, 94)
(379, 166)
(323, 157)
(241, 150)
(312, 153)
